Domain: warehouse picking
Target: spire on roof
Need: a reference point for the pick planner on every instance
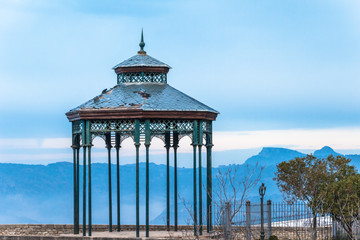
(142, 44)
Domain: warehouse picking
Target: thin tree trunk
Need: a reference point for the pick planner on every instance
(314, 231)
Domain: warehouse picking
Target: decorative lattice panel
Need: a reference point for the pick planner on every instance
(126, 129)
(104, 126)
(141, 77)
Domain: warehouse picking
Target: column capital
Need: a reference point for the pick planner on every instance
(209, 145)
(137, 144)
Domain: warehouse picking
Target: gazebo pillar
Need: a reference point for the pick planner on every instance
(137, 146)
(194, 144)
(88, 145)
(175, 146)
(117, 147)
(89, 193)
(75, 146)
(78, 186)
(108, 146)
(167, 146)
(200, 130)
(84, 145)
(147, 145)
(209, 146)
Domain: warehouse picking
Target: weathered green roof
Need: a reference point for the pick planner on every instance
(145, 96)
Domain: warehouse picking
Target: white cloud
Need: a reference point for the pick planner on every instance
(49, 150)
(56, 143)
(338, 138)
(19, 143)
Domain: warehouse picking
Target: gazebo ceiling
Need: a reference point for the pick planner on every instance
(142, 92)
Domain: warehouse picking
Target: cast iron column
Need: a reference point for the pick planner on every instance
(78, 188)
(175, 146)
(89, 179)
(200, 175)
(75, 147)
(209, 182)
(147, 145)
(84, 177)
(89, 145)
(84, 191)
(167, 146)
(194, 144)
(108, 146)
(117, 147)
(137, 146)
(200, 193)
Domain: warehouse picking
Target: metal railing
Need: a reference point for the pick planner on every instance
(283, 220)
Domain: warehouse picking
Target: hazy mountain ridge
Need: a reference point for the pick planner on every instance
(43, 194)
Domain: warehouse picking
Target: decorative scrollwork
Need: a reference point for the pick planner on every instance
(126, 128)
(77, 127)
(206, 126)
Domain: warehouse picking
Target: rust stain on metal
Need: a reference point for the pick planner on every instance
(143, 94)
(96, 99)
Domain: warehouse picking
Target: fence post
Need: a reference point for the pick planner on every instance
(268, 219)
(227, 221)
(334, 228)
(248, 221)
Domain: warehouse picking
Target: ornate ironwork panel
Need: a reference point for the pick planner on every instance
(136, 77)
(77, 127)
(104, 126)
(206, 127)
(126, 128)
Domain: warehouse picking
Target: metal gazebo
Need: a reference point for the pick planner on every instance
(141, 106)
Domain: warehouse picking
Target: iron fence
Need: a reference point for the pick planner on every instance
(283, 220)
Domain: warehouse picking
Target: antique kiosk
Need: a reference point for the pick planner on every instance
(141, 106)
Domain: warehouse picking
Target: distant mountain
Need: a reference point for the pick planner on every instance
(44, 194)
(325, 152)
(272, 156)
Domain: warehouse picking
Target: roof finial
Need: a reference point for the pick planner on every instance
(142, 44)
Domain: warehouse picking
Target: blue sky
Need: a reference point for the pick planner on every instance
(269, 67)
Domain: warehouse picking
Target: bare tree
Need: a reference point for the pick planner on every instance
(229, 185)
(189, 234)
(233, 187)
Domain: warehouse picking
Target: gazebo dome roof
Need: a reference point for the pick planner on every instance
(134, 98)
(141, 60)
(142, 92)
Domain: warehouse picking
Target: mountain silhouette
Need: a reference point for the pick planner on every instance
(325, 152)
(44, 193)
(272, 156)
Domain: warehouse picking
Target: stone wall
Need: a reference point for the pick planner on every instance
(58, 229)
